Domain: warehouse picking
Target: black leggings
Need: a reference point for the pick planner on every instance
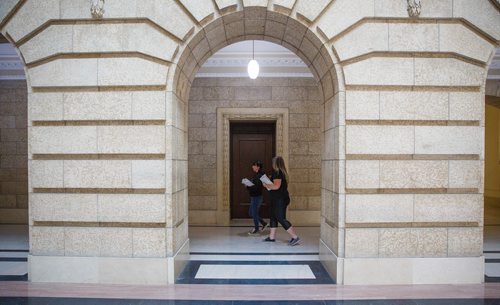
(277, 214)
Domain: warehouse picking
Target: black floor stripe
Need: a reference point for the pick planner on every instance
(187, 276)
(492, 260)
(494, 251)
(13, 250)
(13, 278)
(491, 279)
(13, 259)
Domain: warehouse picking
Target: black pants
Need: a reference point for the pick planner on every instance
(277, 214)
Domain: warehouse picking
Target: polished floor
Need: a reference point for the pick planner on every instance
(228, 267)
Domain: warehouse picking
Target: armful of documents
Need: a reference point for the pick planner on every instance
(246, 182)
(265, 180)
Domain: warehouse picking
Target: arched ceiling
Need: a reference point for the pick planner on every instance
(274, 61)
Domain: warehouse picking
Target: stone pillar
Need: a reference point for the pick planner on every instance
(412, 211)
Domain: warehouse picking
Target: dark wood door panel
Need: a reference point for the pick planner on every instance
(245, 148)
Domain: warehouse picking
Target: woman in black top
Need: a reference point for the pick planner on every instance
(255, 192)
(278, 192)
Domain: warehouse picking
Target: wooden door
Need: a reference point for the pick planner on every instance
(249, 142)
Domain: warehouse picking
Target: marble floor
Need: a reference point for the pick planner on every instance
(224, 258)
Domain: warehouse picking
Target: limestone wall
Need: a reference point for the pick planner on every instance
(403, 144)
(299, 96)
(13, 152)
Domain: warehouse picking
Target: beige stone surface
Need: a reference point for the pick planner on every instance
(362, 174)
(453, 72)
(65, 72)
(459, 39)
(466, 106)
(413, 174)
(131, 139)
(199, 9)
(413, 37)
(386, 71)
(222, 4)
(130, 72)
(149, 242)
(97, 106)
(146, 271)
(64, 207)
(45, 106)
(465, 242)
(432, 242)
(379, 139)
(379, 208)
(42, 45)
(148, 105)
(30, 16)
(399, 242)
(448, 140)
(362, 105)
(47, 241)
(82, 241)
(5, 7)
(448, 208)
(311, 9)
(361, 243)
(115, 242)
(285, 3)
(480, 13)
(46, 173)
(148, 174)
(375, 35)
(248, 3)
(88, 38)
(131, 208)
(66, 139)
(342, 14)
(167, 14)
(466, 174)
(362, 271)
(97, 174)
(410, 105)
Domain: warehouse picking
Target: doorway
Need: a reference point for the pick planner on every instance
(250, 141)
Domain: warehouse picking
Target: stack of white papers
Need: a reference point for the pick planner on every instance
(246, 182)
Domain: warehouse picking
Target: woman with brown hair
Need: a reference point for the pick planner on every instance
(278, 191)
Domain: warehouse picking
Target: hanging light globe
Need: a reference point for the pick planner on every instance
(253, 69)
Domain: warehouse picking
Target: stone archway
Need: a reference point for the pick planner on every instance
(277, 27)
(402, 185)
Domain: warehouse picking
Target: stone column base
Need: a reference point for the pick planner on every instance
(402, 271)
(390, 271)
(177, 263)
(109, 270)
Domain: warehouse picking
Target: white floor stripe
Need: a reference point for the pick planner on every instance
(13, 268)
(254, 272)
(212, 257)
(492, 269)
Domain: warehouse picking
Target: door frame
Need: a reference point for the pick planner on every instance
(224, 117)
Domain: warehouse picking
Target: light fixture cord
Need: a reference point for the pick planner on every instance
(253, 49)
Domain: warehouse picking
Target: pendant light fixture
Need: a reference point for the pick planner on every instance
(253, 65)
